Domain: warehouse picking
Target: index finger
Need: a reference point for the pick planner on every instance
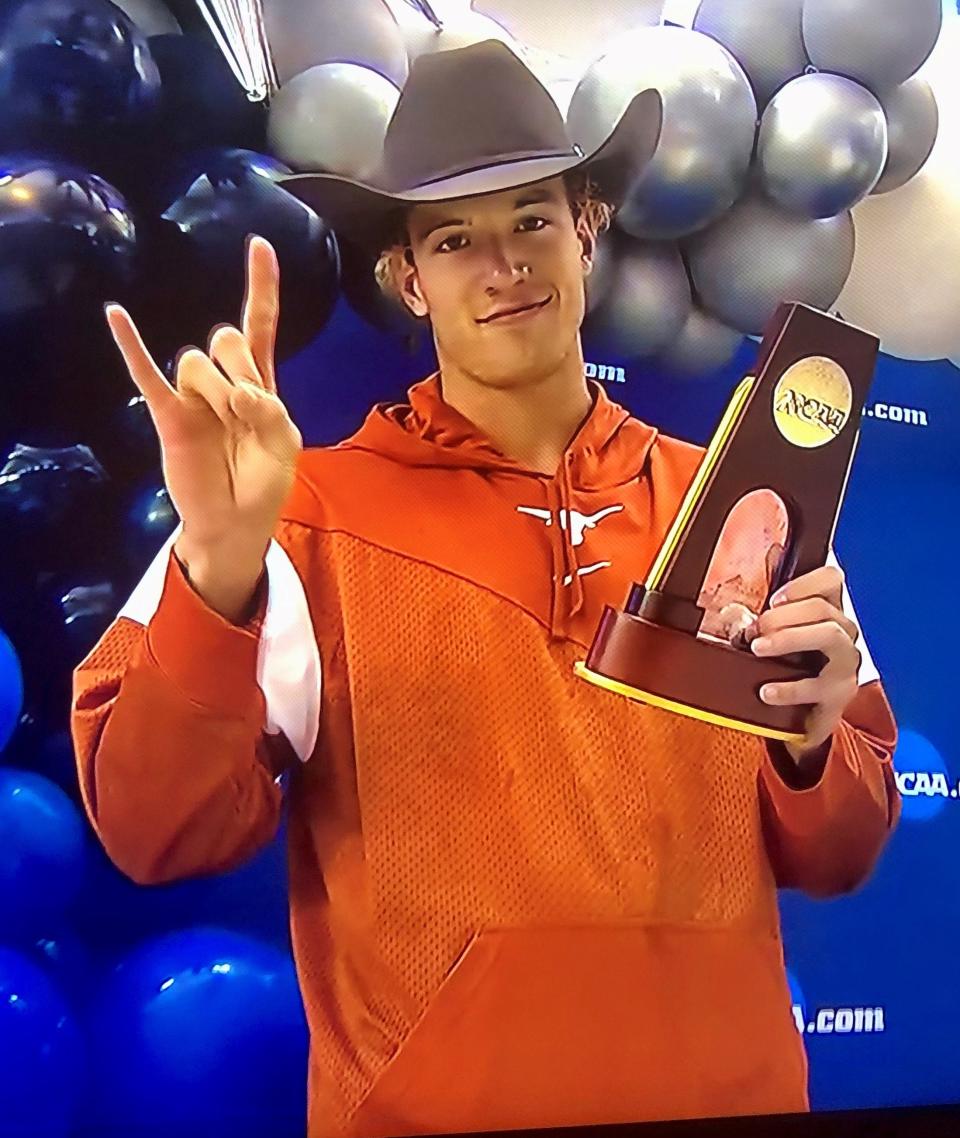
(142, 367)
(261, 307)
(827, 582)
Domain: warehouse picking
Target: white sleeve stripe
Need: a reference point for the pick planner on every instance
(288, 660)
(868, 670)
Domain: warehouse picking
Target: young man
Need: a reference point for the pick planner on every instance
(517, 900)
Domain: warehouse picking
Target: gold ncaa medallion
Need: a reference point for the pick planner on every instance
(812, 402)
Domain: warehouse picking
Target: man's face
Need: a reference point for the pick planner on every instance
(467, 279)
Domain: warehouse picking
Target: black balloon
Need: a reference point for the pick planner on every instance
(71, 69)
(194, 252)
(149, 519)
(67, 244)
(201, 102)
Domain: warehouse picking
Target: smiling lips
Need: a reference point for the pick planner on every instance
(504, 312)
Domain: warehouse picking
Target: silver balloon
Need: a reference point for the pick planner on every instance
(759, 255)
(822, 145)
(332, 117)
(880, 43)
(913, 119)
(303, 33)
(648, 299)
(709, 124)
(762, 35)
(152, 17)
(703, 345)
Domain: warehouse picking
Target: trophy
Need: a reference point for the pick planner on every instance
(793, 429)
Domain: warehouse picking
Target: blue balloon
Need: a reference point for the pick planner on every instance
(69, 66)
(42, 1059)
(66, 960)
(43, 852)
(197, 1033)
(11, 689)
(195, 252)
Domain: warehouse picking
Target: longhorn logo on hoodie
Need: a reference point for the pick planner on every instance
(577, 524)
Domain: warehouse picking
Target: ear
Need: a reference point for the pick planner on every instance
(410, 289)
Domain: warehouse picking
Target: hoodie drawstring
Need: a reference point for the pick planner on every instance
(566, 598)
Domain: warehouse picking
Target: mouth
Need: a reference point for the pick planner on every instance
(519, 313)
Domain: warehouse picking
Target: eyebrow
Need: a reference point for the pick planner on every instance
(532, 197)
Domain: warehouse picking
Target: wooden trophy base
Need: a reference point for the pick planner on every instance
(660, 666)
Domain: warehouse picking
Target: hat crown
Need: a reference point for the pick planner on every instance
(467, 108)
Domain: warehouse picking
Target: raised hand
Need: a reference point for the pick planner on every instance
(229, 447)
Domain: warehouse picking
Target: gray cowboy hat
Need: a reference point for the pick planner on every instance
(471, 121)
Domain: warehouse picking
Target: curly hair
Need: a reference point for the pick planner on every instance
(586, 203)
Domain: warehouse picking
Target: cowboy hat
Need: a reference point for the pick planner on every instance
(471, 121)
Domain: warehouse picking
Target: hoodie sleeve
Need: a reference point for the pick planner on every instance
(182, 723)
(825, 830)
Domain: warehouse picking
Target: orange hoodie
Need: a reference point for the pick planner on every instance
(517, 900)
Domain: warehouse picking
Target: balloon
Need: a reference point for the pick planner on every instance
(64, 234)
(11, 689)
(69, 66)
(703, 345)
(332, 117)
(709, 123)
(822, 145)
(303, 33)
(912, 121)
(759, 255)
(150, 519)
(568, 27)
(36, 746)
(42, 488)
(194, 264)
(880, 43)
(647, 302)
(43, 853)
(201, 102)
(197, 1033)
(66, 961)
(67, 244)
(42, 1061)
(82, 607)
(151, 17)
(764, 38)
(905, 280)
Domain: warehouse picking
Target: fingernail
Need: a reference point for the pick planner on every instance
(761, 644)
(778, 598)
(767, 692)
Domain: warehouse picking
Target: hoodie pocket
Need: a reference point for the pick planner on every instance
(592, 1024)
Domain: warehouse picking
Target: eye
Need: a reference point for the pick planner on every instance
(446, 241)
(533, 218)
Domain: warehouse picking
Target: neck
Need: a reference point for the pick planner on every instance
(531, 422)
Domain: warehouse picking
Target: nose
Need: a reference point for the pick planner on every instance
(504, 266)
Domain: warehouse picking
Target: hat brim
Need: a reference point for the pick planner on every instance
(361, 210)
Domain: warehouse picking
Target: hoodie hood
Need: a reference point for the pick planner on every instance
(610, 449)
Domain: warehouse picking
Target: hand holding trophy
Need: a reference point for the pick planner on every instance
(792, 429)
